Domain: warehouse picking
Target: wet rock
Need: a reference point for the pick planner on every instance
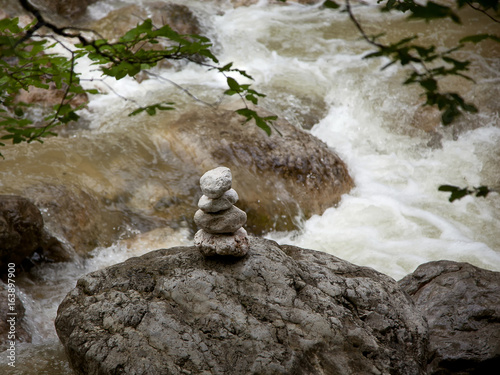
(40, 102)
(49, 97)
(279, 310)
(427, 118)
(77, 216)
(461, 303)
(66, 8)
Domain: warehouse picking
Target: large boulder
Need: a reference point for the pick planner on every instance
(77, 216)
(278, 310)
(461, 303)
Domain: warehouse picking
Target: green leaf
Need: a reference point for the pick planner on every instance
(470, 108)
(18, 112)
(459, 193)
(482, 191)
(449, 115)
(251, 98)
(226, 67)
(10, 24)
(448, 188)
(429, 84)
(233, 84)
(331, 4)
(433, 11)
(136, 32)
(479, 38)
(261, 122)
(456, 192)
(151, 109)
(247, 113)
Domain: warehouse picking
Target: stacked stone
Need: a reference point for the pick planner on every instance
(221, 223)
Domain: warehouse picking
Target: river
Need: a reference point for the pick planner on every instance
(309, 62)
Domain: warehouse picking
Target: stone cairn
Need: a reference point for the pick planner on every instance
(221, 223)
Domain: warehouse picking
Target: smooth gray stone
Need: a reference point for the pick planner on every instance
(207, 204)
(216, 182)
(228, 221)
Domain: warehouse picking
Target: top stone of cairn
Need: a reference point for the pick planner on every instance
(216, 182)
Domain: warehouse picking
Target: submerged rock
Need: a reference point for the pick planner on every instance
(279, 310)
(461, 303)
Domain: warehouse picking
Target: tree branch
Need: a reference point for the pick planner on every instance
(482, 11)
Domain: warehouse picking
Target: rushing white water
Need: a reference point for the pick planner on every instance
(395, 218)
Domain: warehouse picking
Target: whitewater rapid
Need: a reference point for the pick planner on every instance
(395, 218)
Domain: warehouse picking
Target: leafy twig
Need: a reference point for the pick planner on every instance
(459, 193)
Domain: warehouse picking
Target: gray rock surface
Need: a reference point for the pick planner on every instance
(216, 182)
(66, 8)
(207, 204)
(227, 221)
(235, 244)
(279, 310)
(461, 303)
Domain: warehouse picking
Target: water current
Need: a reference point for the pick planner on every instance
(310, 64)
